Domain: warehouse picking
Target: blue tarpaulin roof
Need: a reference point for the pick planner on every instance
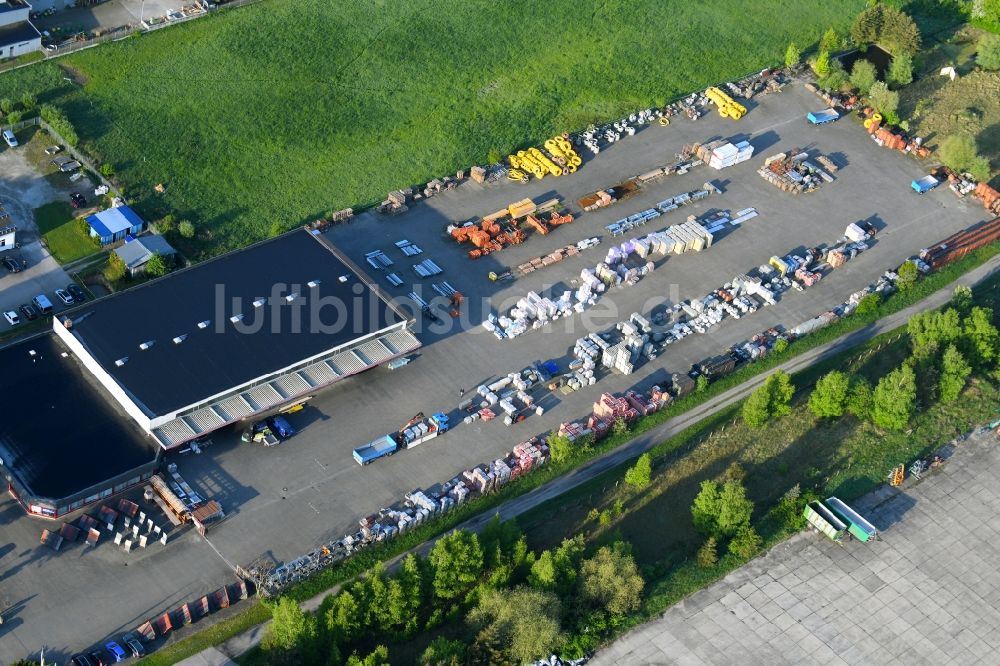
(113, 220)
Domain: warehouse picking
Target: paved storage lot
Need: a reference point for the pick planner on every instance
(289, 498)
(285, 500)
(927, 593)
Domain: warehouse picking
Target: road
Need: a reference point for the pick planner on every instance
(591, 470)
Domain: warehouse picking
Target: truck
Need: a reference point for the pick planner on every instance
(822, 117)
(416, 431)
(924, 185)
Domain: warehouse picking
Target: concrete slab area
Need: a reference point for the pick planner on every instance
(285, 500)
(940, 611)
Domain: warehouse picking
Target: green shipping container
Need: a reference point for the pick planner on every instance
(823, 520)
(859, 528)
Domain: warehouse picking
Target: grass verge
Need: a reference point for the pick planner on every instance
(63, 234)
(214, 635)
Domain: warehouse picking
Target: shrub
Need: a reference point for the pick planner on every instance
(14, 117)
(988, 51)
(6, 105)
(884, 101)
(28, 101)
(107, 170)
(868, 303)
(186, 229)
(701, 384)
(115, 269)
(708, 555)
(157, 266)
(746, 543)
(959, 152)
(835, 77)
(792, 55)
(907, 275)
(167, 224)
(900, 70)
(60, 124)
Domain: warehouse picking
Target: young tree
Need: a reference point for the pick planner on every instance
(156, 266)
(929, 331)
(958, 151)
(523, 624)
(611, 580)
(822, 64)
(793, 54)
(980, 340)
(907, 275)
(757, 408)
(288, 626)
(955, 370)
(555, 570)
(457, 560)
(345, 617)
(28, 101)
(836, 76)
(895, 399)
(884, 101)
(746, 543)
(859, 398)
(829, 41)
(442, 652)
(701, 384)
(734, 508)
(560, 448)
(186, 229)
(869, 303)
(638, 476)
(6, 105)
(780, 345)
(863, 75)
(378, 657)
(705, 508)
(619, 427)
(782, 391)
(900, 70)
(166, 224)
(899, 34)
(988, 51)
(866, 26)
(708, 555)
(961, 300)
(829, 398)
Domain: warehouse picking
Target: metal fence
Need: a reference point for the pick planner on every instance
(112, 35)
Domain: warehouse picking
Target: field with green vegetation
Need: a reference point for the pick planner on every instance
(63, 233)
(262, 118)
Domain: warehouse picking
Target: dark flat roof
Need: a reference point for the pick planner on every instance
(60, 432)
(16, 33)
(168, 376)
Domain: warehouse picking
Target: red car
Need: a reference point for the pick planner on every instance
(77, 200)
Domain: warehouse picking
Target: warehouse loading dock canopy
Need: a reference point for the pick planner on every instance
(239, 319)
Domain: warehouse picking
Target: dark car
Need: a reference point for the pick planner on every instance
(12, 264)
(78, 200)
(81, 660)
(97, 658)
(29, 312)
(79, 296)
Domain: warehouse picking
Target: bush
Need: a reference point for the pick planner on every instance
(988, 51)
(560, 448)
(708, 555)
(186, 229)
(166, 224)
(859, 399)
(60, 124)
(6, 105)
(869, 303)
(863, 76)
(157, 266)
(835, 77)
(28, 101)
(107, 170)
(639, 475)
(907, 276)
(884, 101)
(746, 543)
(830, 395)
(115, 269)
(959, 152)
(701, 384)
(14, 117)
(895, 399)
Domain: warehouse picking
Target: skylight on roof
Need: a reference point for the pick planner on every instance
(122, 361)
(204, 324)
(259, 303)
(313, 284)
(292, 296)
(236, 318)
(180, 338)
(147, 344)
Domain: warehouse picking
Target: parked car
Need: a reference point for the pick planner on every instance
(64, 296)
(116, 651)
(43, 303)
(81, 660)
(12, 264)
(11, 317)
(79, 296)
(280, 426)
(78, 200)
(29, 312)
(98, 659)
(52, 150)
(9, 137)
(135, 647)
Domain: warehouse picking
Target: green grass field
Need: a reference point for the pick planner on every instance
(62, 233)
(280, 111)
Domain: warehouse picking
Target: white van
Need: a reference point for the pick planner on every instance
(43, 303)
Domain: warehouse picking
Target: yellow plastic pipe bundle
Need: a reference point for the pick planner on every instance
(728, 107)
(546, 163)
(560, 147)
(526, 162)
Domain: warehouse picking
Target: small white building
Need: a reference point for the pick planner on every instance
(17, 35)
(7, 238)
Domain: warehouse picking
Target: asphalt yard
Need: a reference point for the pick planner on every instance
(283, 501)
(927, 593)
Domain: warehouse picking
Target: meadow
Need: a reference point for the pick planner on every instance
(261, 118)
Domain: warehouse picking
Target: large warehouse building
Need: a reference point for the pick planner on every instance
(243, 335)
(237, 336)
